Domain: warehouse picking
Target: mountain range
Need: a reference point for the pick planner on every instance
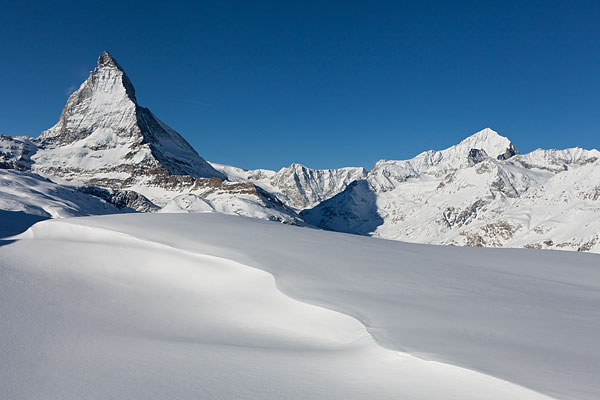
(108, 154)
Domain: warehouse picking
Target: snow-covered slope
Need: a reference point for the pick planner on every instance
(179, 306)
(297, 186)
(16, 152)
(105, 139)
(480, 192)
(31, 194)
(26, 198)
(103, 135)
(243, 199)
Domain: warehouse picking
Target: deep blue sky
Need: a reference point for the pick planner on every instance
(324, 83)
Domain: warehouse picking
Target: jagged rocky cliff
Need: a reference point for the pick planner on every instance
(105, 140)
(297, 186)
(480, 192)
(104, 137)
(106, 148)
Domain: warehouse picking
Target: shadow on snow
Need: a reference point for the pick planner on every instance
(15, 222)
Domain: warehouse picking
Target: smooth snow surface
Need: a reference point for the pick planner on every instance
(155, 306)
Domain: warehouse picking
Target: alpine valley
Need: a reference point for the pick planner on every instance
(107, 154)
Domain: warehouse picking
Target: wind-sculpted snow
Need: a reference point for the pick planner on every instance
(180, 306)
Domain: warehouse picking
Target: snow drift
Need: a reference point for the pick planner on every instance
(185, 306)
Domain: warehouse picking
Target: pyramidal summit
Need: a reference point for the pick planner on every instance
(184, 278)
(102, 130)
(106, 145)
(139, 262)
(108, 154)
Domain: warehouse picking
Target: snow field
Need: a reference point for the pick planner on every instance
(91, 312)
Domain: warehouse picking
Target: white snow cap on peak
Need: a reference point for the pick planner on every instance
(103, 120)
(491, 142)
(106, 99)
(297, 166)
(105, 70)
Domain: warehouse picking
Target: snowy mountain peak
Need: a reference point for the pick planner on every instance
(102, 129)
(109, 68)
(486, 134)
(294, 167)
(302, 187)
(490, 141)
(107, 60)
(105, 101)
(387, 174)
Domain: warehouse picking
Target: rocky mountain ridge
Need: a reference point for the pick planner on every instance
(103, 130)
(107, 149)
(297, 186)
(109, 146)
(487, 195)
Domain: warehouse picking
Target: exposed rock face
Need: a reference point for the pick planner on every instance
(510, 151)
(456, 217)
(476, 156)
(297, 186)
(32, 195)
(305, 187)
(103, 131)
(481, 192)
(352, 211)
(16, 152)
(124, 200)
(123, 154)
